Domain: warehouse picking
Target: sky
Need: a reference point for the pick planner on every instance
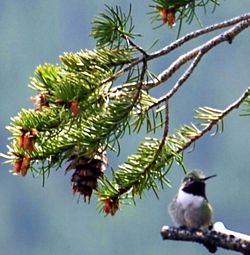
(48, 220)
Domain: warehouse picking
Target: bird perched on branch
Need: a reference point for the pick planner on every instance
(190, 207)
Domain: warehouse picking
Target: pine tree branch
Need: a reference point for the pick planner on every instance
(133, 44)
(89, 113)
(163, 141)
(195, 134)
(179, 42)
(171, 47)
(181, 80)
(211, 239)
(174, 146)
(227, 36)
(116, 193)
(214, 122)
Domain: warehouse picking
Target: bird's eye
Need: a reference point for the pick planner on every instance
(188, 179)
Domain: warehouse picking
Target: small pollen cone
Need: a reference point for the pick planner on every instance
(110, 206)
(17, 166)
(26, 140)
(87, 171)
(74, 107)
(40, 101)
(25, 165)
(167, 16)
(21, 165)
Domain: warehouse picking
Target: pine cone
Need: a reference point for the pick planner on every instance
(87, 171)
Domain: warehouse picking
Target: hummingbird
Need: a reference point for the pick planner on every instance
(190, 207)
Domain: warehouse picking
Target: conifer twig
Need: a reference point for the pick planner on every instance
(132, 43)
(228, 36)
(176, 44)
(214, 122)
(179, 42)
(123, 190)
(181, 80)
(191, 140)
(163, 141)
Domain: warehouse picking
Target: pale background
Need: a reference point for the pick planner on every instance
(37, 220)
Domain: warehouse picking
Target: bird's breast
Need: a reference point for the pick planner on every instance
(187, 199)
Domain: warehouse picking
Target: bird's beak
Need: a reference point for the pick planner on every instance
(208, 177)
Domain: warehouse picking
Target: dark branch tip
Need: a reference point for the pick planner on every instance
(228, 38)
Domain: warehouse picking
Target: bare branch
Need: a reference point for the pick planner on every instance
(220, 227)
(211, 239)
(230, 108)
(133, 44)
(171, 47)
(198, 33)
(204, 48)
(181, 80)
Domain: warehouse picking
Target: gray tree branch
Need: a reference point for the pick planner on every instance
(178, 43)
(227, 36)
(211, 239)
